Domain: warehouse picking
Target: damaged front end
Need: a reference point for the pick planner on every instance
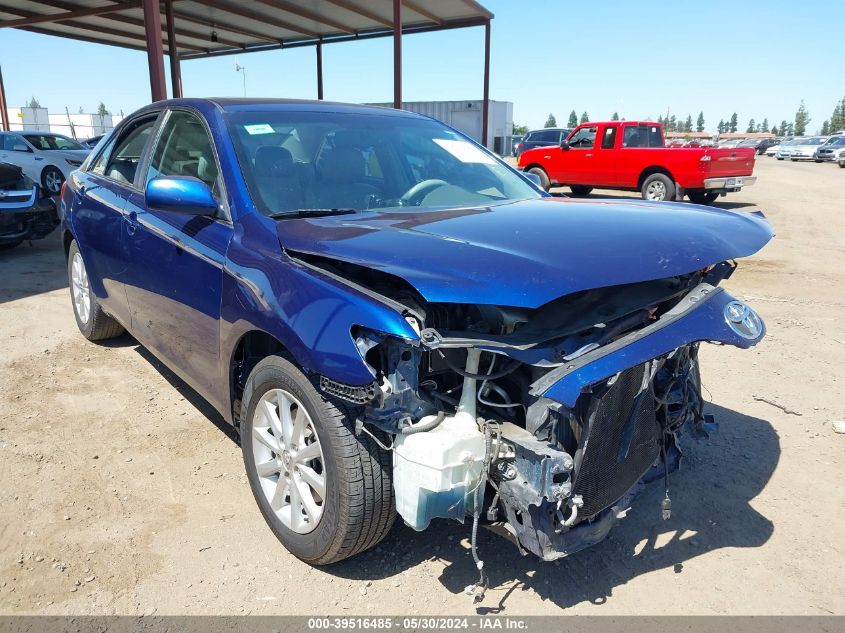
(539, 423)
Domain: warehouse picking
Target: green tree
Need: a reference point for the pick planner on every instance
(790, 129)
(752, 127)
(573, 119)
(699, 123)
(519, 129)
(584, 117)
(802, 119)
(775, 130)
(733, 124)
(764, 127)
(33, 103)
(825, 128)
(551, 121)
(721, 127)
(615, 116)
(837, 119)
(101, 109)
(783, 128)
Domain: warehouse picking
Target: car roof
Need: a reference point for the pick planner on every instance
(230, 104)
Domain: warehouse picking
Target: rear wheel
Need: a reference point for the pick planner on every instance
(545, 183)
(92, 321)
(658, 187)
(326, 493)
(702, 197)
(580, 192)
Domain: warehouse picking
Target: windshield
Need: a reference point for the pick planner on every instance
(839, 140)
(332, 160)
(51, 141)
(815, 141)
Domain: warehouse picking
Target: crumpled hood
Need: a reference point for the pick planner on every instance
(530, 252)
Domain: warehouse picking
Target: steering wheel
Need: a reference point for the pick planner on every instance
(415, 194)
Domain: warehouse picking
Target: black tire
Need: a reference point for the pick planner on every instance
(794, 160)
(359, 507)
(580, 192)
(817, 161)
(842, 165)
(652, 183)
(778, 158)
(7, 246)
(545, 183)
(52, 179)
(702, 197)
(99, 326)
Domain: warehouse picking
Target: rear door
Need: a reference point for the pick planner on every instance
(98, 220)
(177, 275)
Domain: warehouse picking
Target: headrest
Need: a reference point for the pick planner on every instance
(271, 160)
(343, 164)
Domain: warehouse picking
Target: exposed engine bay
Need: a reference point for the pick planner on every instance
(480, 427)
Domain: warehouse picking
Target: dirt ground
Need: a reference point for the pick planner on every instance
(122, 492)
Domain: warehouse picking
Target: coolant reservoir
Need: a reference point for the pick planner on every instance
(435, 472)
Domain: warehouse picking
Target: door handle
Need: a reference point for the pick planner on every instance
(588, 155)
(131, 219)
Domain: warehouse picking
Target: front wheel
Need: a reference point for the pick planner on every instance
(545, 183)
(658, 187)
(325, 492)
(702, 197)
(580, 192)
(52, 179)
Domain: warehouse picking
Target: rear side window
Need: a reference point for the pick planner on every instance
(184, 149)
(609, 138)
(642, 136)
(121, 163)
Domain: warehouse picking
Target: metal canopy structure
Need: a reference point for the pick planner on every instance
(193, 29)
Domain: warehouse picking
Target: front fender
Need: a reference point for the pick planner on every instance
(700, 316)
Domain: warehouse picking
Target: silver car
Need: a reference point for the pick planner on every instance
(832, 150)
(785, 150)
(806, 148)
(44, 157)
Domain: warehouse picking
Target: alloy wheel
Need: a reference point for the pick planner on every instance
(656, 190)
(53, 180)
(80, 289)
(289, 460)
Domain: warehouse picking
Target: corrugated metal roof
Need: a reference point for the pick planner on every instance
(219, 27)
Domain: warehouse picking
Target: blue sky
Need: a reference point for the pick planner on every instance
(639, 58)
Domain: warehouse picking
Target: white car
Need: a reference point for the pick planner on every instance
(805, 148)
(45, 157)
(786, 148)
(772, 150)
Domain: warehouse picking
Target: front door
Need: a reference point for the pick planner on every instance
(575, 166)
(175, 283)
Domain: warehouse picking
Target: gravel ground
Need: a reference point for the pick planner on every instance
(123, 492)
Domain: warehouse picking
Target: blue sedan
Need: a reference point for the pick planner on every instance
(396, 321)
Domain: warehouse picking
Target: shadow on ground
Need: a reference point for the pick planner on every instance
(711, 497)
(32, 268)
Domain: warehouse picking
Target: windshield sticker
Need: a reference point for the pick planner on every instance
(463, 151)
(259, 128)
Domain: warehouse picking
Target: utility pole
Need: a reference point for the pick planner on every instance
(241, 69)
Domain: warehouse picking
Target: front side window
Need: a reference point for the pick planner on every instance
(585, 138)
(332, 160)
(184, 149)
(122, 163)
(51, 141)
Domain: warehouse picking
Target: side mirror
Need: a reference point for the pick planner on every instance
(20, 147)
(564, 145)
(182, 194)
(533, 178)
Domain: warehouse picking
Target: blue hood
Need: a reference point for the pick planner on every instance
(530, 252)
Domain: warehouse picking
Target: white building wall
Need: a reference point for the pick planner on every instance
(466, 116)
(81, 126)
(28, 119)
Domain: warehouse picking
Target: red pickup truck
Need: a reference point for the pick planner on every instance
(632, 156)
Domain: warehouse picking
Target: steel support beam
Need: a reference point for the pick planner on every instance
(4, 114)
(485, 105)
(397, 54)
(68, 15)
(175, 69)
(319, 70)
(155, 52)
